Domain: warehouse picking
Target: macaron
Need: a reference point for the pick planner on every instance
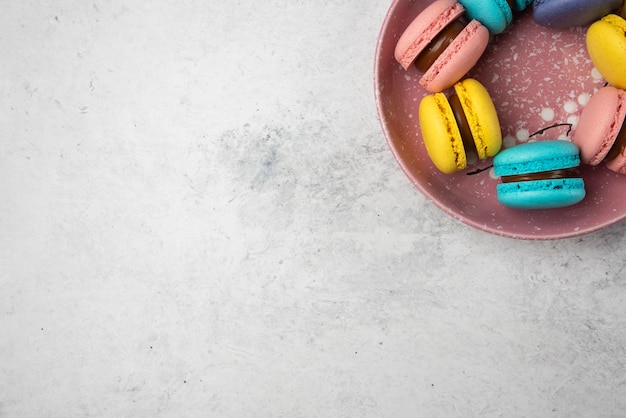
(606, 45)
(600, 133)
(452, 127)
(561, 14)
(495, 15)
(441, 45)
(539, 175)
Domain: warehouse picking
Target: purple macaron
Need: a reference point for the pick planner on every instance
(561, 14)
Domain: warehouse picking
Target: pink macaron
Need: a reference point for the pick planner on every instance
(600, 133)
(441, 45)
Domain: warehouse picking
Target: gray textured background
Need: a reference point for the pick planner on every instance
(200, 217)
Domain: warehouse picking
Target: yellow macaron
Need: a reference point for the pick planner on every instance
(452, 127)
(606, 45)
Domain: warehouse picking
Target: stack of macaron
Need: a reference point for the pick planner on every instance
(455, 126)
(601, 134)
(539, 175)
(446, 40)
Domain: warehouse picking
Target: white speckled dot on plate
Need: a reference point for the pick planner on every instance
(537, 78)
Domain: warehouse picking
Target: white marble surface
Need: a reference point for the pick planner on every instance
(200, 217)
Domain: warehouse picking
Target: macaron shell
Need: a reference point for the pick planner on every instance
(460, 56)
(599, 124)
(606, 45)
(495, 15)
(541, 194)
(441, 134)
(561, 14)
(481, 115)
(536, 157)
(424, 28)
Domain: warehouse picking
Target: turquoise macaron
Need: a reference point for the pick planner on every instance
(495, 15)
(539, 175)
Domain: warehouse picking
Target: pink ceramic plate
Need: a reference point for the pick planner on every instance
(537, 78)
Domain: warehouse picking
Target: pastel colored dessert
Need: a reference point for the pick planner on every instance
(600, 134)
(465, 122)
(441, 45)
(495, 15)
(561, 14)
(539, 175)
(606, 45)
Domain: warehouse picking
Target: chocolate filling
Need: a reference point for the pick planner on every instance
(618, 146)
(544, 175)
(463, 124)
(436, 47)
